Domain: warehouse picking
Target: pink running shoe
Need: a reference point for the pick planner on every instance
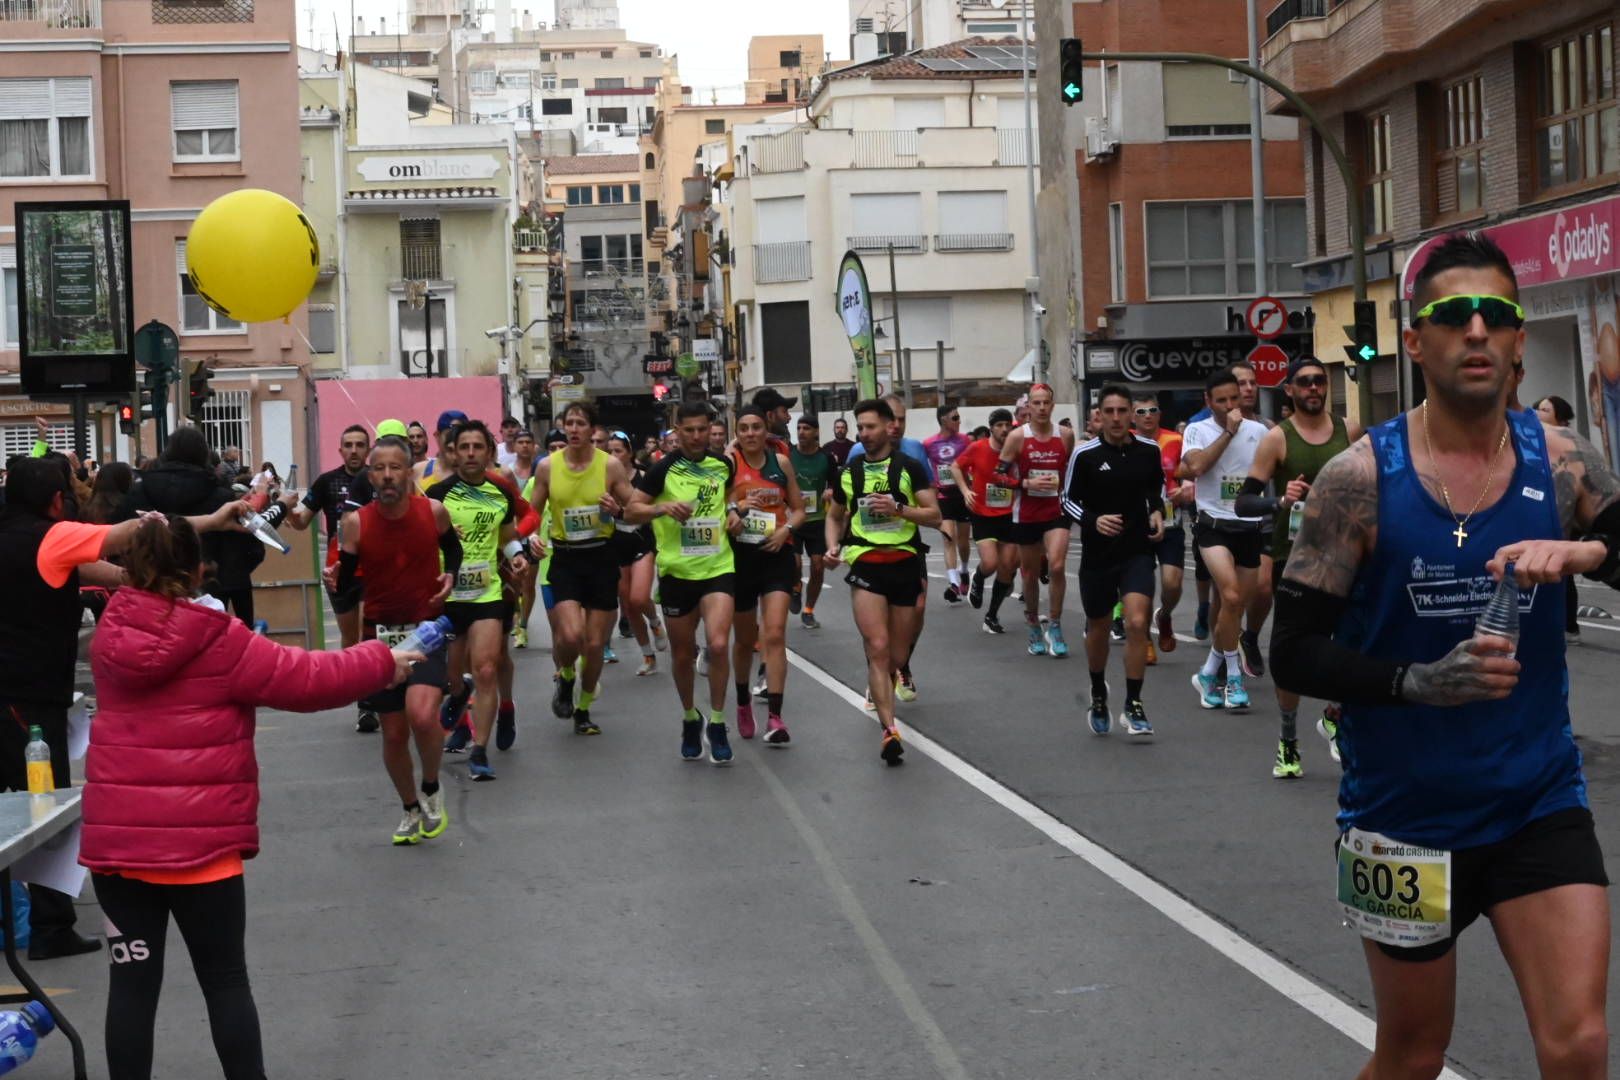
(776, 732)
(745, 721)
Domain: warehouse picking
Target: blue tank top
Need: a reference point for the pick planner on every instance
(1473, 774)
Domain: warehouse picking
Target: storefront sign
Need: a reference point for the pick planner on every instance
(706, 351)
(1575, 242)
(418, 167)
(657, 365)
(1183, 360)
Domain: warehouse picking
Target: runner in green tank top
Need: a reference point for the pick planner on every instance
(815, 468)
(1292, 453)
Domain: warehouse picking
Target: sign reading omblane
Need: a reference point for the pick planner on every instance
(855, 311)
(420, 167)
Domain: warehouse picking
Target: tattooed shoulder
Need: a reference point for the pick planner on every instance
(1341, 522)
(1584, 481)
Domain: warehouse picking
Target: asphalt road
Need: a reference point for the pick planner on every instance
(1022, 899)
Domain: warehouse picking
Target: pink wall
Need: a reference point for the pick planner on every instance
(369, 401)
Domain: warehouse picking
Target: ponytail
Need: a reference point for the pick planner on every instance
(164, 556)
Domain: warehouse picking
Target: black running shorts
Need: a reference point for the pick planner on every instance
(681, 596)
(434, 671)
(812, 537)
(589, 578)
(900, 583)
(998, 528)
(1172, 550)
(952, 507)
(464, 613)
(760, 572)
(1244, 544)
(1103, 584)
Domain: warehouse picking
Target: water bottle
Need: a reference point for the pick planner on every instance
(254, 523)
(261, 627)
(1296, 518)
(20, 1033)
(1501, 616)
(428, 638)
(41, 781)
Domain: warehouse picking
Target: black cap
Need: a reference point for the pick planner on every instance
(769, 398)
(1299, 363)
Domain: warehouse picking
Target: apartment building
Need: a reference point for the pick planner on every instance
(1150, 270)
(781, 66)
(169, 105)
(1477, 114)
(922, 156)
(926, 24)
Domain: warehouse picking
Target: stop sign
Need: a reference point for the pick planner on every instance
(1270, 364)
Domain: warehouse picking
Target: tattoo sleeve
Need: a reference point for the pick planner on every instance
(1585, 483)
(1341, 523)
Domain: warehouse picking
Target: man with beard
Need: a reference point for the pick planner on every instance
(778, 412)
(418, 437)
(841, 444)
(1293, 453)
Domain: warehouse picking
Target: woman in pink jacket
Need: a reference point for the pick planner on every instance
(171, 793)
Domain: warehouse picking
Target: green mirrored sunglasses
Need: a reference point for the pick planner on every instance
(1458, 311)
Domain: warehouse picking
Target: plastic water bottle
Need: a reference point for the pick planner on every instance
(20, 1033)
(41, 781)
(1501, 616)
(1296, 518)
(428, 638)
(254, 523)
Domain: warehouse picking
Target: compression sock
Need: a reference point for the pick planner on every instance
(1212, 663)
(1099, 684)
(979, 575)
(690, 714)
(717, 716)
(1133, 690)
(585, 699)
(1290, 725)
(430, 787)
(1234, 664)
(998, 593)
(567, 672)
(773, 702)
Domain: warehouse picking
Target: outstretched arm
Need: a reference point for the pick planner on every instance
(1588, 493)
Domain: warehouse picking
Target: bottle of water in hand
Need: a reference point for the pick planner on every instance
(255, 523)
(1501, 616)
(428, 638)
(20, 1033)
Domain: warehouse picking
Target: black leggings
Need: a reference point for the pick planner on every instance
(213, 920)
(240, 601)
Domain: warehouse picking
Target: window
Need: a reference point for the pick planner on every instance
(590, 252)
(613, 116)
(1578, 114)
(1116, 252)
(515, 80)
(557, 107)
(570, 84)
(785, 341)
(1207, 248)
(645, 54)
(567, 56)
(1200, 102)
(9, 326)
(1459, 178)
(652, 82)
(322, 328)
(419, 355)
(545, 58)
(579, 196)
(788, 58)
(196, 317)
(878, 219)
(420, 254)
(923, 320)
(615, 83)
(609, 194)
(226, 421)
(781, 221)
(607, 54)
(548, 82)
(651, 161)
(1377, 178)
(45, 127)
(481, 82)
(714, 127)
(635, 193)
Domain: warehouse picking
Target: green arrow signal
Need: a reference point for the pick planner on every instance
(1071, 91)
(1367, 353)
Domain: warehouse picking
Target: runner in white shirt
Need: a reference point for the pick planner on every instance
(1216, 454)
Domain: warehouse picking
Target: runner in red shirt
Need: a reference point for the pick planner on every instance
(1178, 496)
(1040, 453)
(989, 499)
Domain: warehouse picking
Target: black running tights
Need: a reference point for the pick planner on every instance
(213, 920)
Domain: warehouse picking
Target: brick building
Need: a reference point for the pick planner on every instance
(1501, 115)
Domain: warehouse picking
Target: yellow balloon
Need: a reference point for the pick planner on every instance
(252, 255)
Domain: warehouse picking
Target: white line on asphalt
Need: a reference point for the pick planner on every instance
(1318, 1001)
(933, 1036)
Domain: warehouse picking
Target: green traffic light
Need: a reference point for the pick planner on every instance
(1071, 91)
(1368, 354)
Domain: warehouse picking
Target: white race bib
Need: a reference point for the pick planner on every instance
(1230, 486)
(1392, 892)
(701, 536)
(394, 636)
(758, 525)
(581, 523)
(877, 521)
(997, 497)
(1050, 475)
(812, 501)
(472, 582)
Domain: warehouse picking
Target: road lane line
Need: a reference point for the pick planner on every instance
(888, 968)
(1291, 984)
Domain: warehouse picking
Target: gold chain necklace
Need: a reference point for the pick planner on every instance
(1461, 532)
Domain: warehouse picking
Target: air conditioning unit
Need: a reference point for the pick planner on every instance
(1101, 140)
(863, 26)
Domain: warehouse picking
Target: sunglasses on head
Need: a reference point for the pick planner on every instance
(1458, 311)
(1310, 381)
(1147, 411)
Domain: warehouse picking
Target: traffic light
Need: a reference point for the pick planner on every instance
(1363, 333)
(660, 392)
(148, 405)
(197, 389)
(126, 419)
(1071, 73)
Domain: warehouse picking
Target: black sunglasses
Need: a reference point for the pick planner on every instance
(1310, 381)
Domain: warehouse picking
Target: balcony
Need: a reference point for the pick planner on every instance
(1012, 147)
(1290, 10)
(776, 264)
(903, 245)
(49, 15)
(948, 242)
(420, 261)
(607, 266)
(529, 240)
(783, 152)
(884, 149)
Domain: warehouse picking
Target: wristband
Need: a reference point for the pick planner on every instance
(1608, 571)
(512, 549)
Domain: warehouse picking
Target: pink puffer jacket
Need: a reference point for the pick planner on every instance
(171, 781)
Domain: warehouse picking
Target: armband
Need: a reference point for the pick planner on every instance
(1306, 660)
(1252, 501)
(1606, 531)
(512, 549)
(348, 563)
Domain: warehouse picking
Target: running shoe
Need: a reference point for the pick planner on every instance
(1167, 630)
(905, 687)
(1135, 722)
(871, 706)
(1018, 593)
(452, 708)
(505, 729)
(1287, 766)
(1054, 640)
(796, 600)
(624, 627)
(1254, 662)
(608, 655)
(478, 766)
(976, 593)
(660, 639)
(1327, 726)
(649, 666)
(435, 819)
(719, 744)
(458, 740)
(992, 625)
(809, 621)
(562, 699)
(1046, 574)
(1237, 698)
(1201, 623)
(703, 662)
(367, 722)
(745, 720)
(1097, 715)
(1037, 641)
(759, 688)
(1152, 653)
(409, 830)
(1209, 691)
(691, 739)
(520, 638)
(1116, 632)
(952, 597)
(584, 725)
(776, 732)
(892, 749)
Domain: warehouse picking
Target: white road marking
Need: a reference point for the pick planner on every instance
(1316, 1000)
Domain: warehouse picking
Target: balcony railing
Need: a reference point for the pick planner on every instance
(973, 242)
(1012, 146)
(53, 14)
(1289, 10)
(783, 152)
(903, 245)
(529, 240)
(778, 263)
(884, 149)
(608, 266)
(420, 262)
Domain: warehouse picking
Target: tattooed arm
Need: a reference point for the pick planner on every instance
(1338, 534)
(1588, 495)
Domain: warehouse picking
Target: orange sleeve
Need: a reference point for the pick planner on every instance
(69, 544)
(226, 866)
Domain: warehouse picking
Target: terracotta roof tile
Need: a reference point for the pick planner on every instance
(590, 164)
(909, 66)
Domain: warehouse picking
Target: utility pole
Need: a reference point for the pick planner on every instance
(894, 317)
(1032, 320)
(1257, 159)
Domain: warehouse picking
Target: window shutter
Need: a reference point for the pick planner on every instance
(72, 97)
(180, 257)
(25, 99)
(196, 106)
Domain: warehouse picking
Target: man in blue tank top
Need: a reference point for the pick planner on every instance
(1462, 792)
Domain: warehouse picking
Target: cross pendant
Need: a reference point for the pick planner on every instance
(1460, 535)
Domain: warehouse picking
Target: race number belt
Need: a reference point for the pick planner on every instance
(1043, 475)
(472, 582)
(581, 523)
(758, 525)
(877, 521)
(1392, 892)
(701, 536)
(997, 497)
